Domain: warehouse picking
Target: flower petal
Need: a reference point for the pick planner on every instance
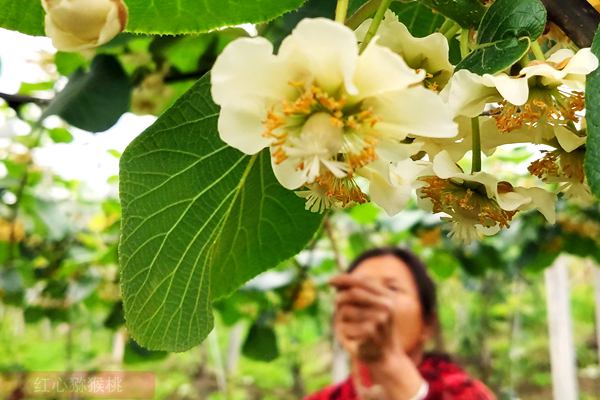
(560, 55)
(444, 167)
(326, 50)
(393, 150)
(573, 74)
(567, 139)
(542, 200)
(243, 129)
(382, 192)
(582, 63)
(515, 90)
(377, 62)
(466, 94)
(414, 111)
(430, 53)
(287, 174)
(247, 73)
(491, 137)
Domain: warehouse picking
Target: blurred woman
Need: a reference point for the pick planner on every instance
(385, 314)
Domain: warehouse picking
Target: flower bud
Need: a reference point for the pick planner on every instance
(82, 24)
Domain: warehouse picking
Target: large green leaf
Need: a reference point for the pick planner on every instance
(96, 99)
(467, 13)
(26, 16)
(199, 219)
(165, 16)
(186, 16)
(592, 105)
(504, 35)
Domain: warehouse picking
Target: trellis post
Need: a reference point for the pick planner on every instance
(562, 348)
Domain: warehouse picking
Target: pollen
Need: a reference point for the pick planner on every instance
(554, 107)
(462, 202)
(343, 191)
(284, 124)
(558, 165)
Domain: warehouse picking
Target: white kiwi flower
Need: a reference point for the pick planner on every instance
(322, 108)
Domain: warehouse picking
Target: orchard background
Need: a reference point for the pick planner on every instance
(516, 308)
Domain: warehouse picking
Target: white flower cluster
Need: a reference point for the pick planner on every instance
(398, 117)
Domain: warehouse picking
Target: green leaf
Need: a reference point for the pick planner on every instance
(512, 18)
(135, 354)
(199, 219)
(442, 264)
(418, 18)
(60, 135)
(189, 16)
(96, 99)
(496, 57)
(165, 16)
(261, 343)
(592, 105)
(69, 63)
(25, 16)
(467, 13)
(504, 35)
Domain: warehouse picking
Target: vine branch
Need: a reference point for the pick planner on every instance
(577, 18)
(15, 100)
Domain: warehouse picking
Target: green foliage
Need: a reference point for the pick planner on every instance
(96, 99)
(135, 354)
(504, 35)
(261, 343)
(418, 18)
(68, 63)
(60, 135)
(26, 16)
(592, 104)
(199, 219)
(189, 16)
(467, 13)
(161, 17)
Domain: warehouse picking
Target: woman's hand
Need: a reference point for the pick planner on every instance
(366, 326)
(364, 319)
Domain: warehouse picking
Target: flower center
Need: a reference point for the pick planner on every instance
(560, 166)
(555, 107)
(464, 203)
(285, 123)
(327, 137)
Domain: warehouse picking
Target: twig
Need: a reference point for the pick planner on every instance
(365, 11)
(339, 260)
(15, 100)
(577, 18)
(14, 212)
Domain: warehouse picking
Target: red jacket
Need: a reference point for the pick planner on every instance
(447, 381)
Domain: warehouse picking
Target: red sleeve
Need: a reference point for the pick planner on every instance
(447, 381)
(341, 391)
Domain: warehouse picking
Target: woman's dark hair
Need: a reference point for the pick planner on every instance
(425, 286)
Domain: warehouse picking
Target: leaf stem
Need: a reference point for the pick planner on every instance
(383, 6)
(476, 145)
(341, 10)
(451, 32)
(537, 51)
(365, 11)
(448, 23)
(464, 43)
